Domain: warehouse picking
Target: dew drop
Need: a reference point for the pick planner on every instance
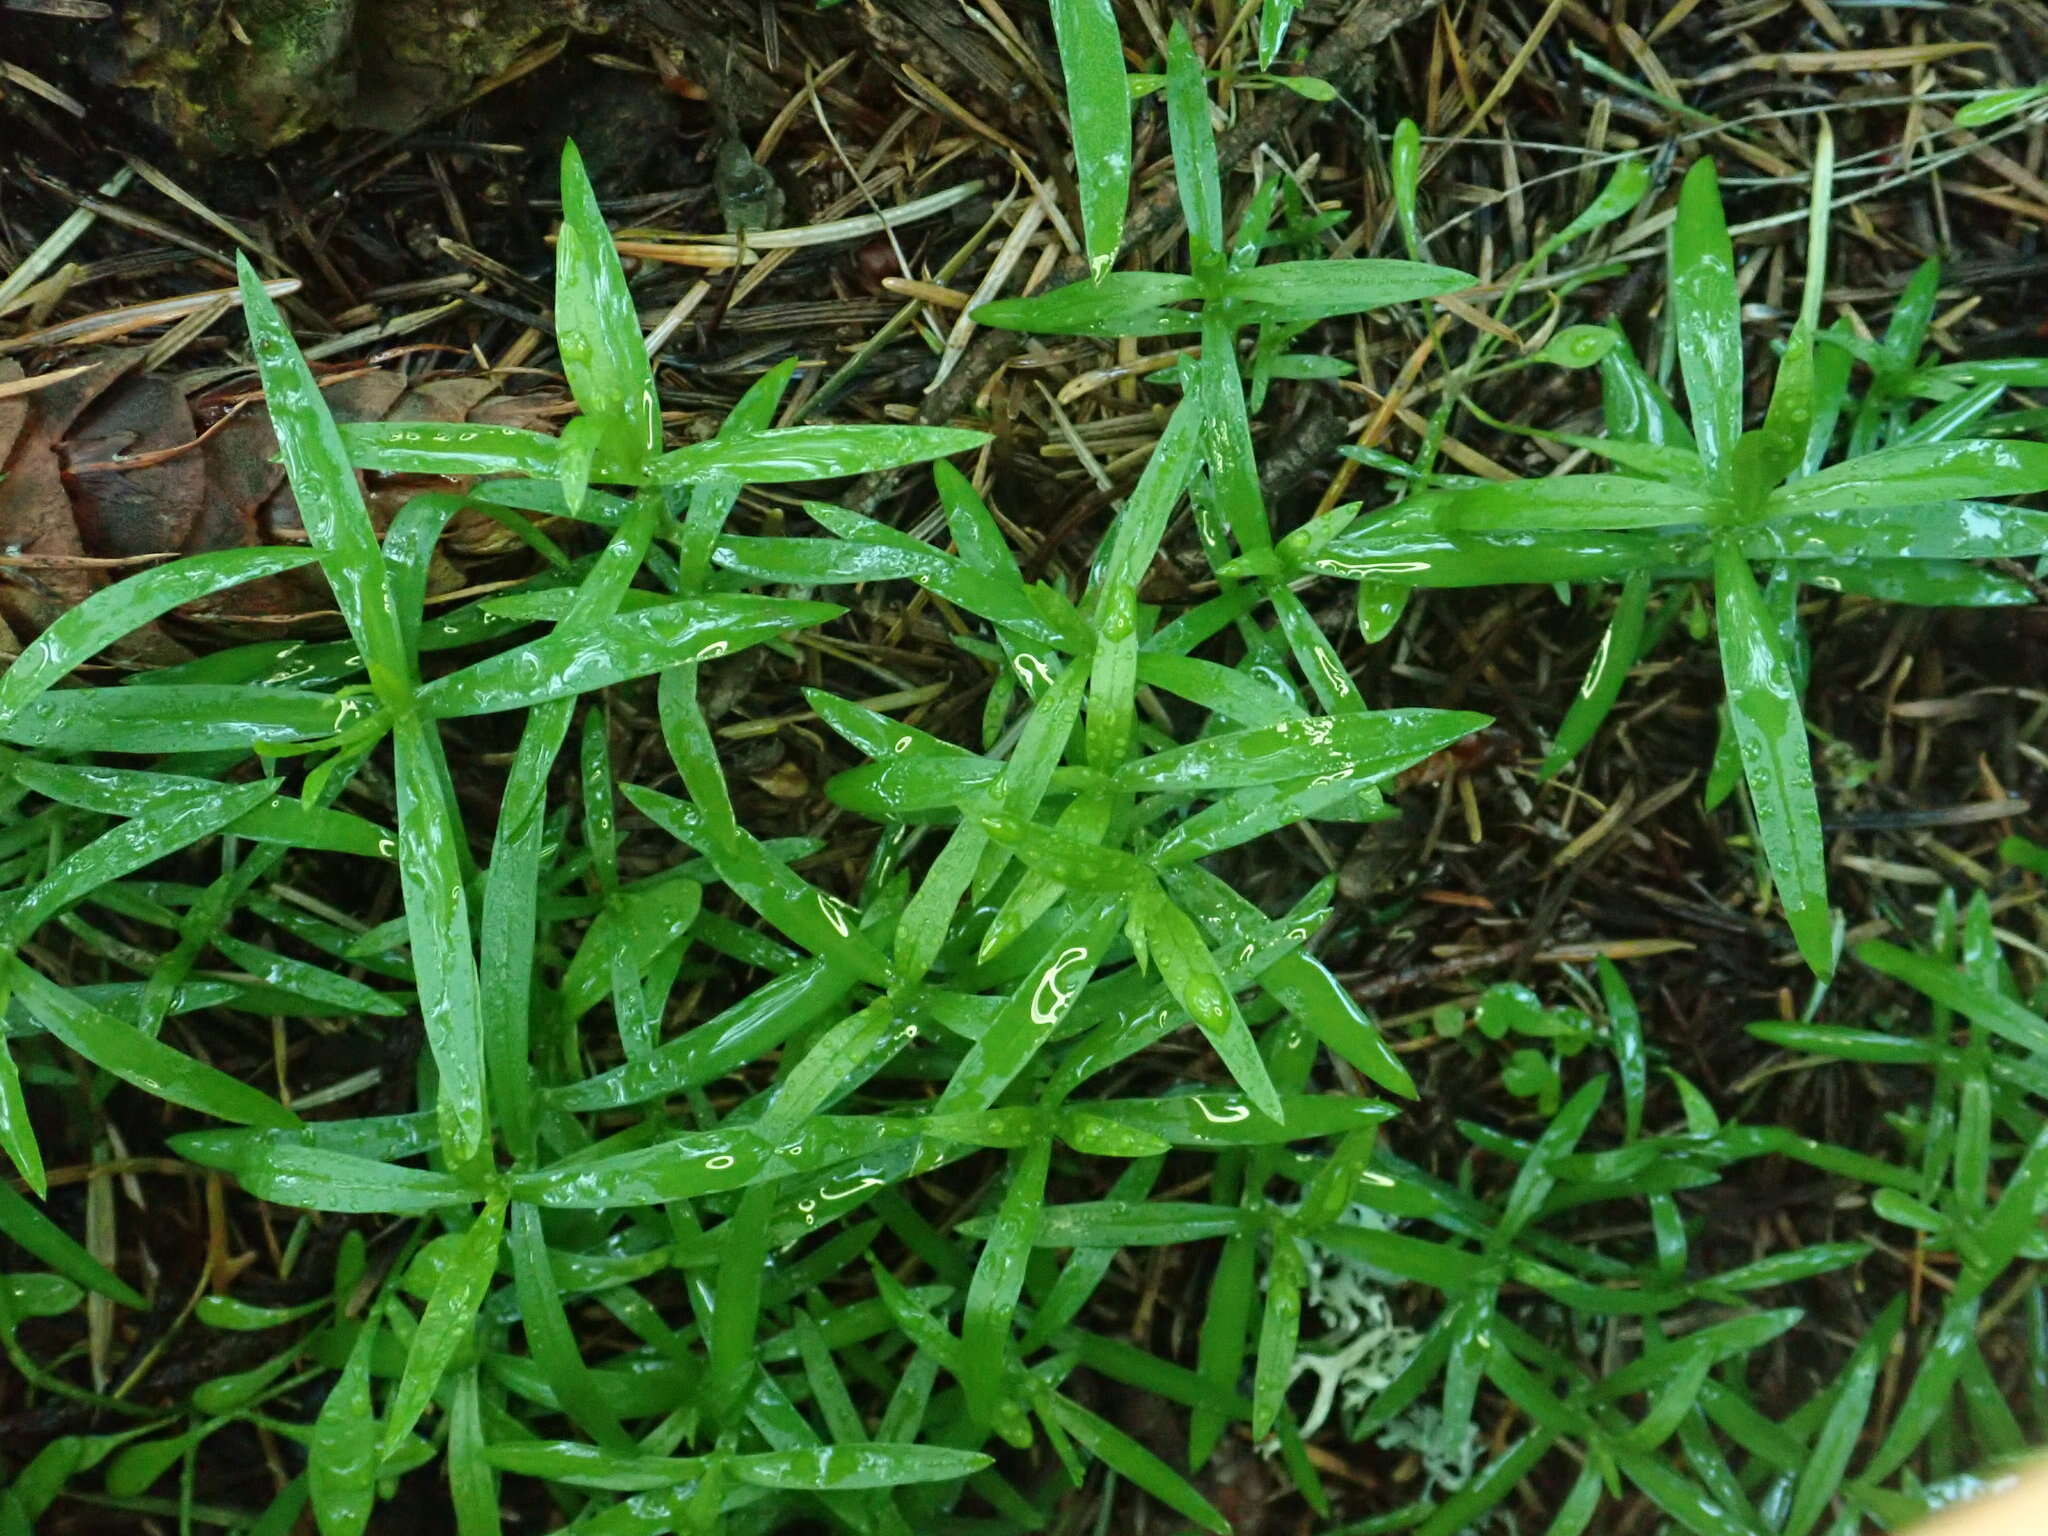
(1208, 1002)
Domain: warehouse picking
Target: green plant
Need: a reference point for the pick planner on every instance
(563, 1167)
(1099, 113)
(730, 1199)
(496, 1041)
(1899, 519)
(1995, 106)
(1231, 289)
(1675, 1413)
(1531, 1072)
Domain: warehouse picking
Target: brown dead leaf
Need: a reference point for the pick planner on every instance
(123, 511)
(106, 468)
(36, 516)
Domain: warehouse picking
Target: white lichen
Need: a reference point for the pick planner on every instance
(1361, 1350)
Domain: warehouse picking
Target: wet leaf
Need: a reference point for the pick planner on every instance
(1290, 291)
(1770, 730)
(341, 1467)
(1360, 747)
(597, 326)
(568, 662)
(451, 1314)
(1705, 317)
(1099, 107)
(1131, 1460)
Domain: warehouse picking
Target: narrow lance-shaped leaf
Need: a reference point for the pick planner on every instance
(1773, 451)
(1134, 537)
(1917, 474)
(1226, 1322)
(1274, 16)
(321, 1179)
(1353, 746)
(1576, 1513)
(580, 440)
(1770, 732)
(26, 1225)
(451, 448)
(472, 1484)
(1625, 1025)
(1472, 1341)
(438, 929)
(1306, 988)
(843, 1421)
(611, 649)
(17, 1132)
(1239, 817)
(1403, 560)
(821, 923)
(998, 1281)
(507, 924)
(1227, 436)
(928, 920)
(1679, 1497)
(1835, 1446)
(1653, 461)
(330, 501)
(162, 829)
(1820, 210)
(1099, 107)
(712, 1162)
(828, 1467)
(1133, 541)
(1113, 681)
(1192, 975)
(1839, 541)
(1605, 675)
(316, 984)
(811, 453)
(1131, 1460)
(1404, 168)
(1948, 986)
(82, 632)
(1624, 189)
(1279, 1333)
(1539, 1173)
(597, 327)
(1284, 291)
(194, 717)
(1035, 1010)
(123, 1051)
(1005, 601)
(1705, 316)
(552, 1341)
(1194, 154)
(341, 1466)
(1566, 504)
(1927, 1400)
(736, 1311)
(451, 1313)
(1912, 312)
(839, 1060)
(2012, 1223)
(1634, 406)
(1115, 304)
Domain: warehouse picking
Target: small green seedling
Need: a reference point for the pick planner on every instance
(1696, 497)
